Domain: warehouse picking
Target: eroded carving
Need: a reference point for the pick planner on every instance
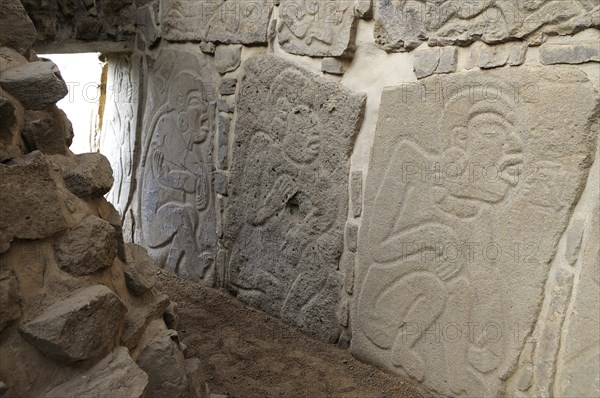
(317, 28)
(288, 194)
(463, 212)
(405, 24)
(223, 21)
(176, 210)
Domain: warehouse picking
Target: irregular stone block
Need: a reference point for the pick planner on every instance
(10, 302)
(116, 375)
(197, 387)
(576, 53)
(139, 270)
(333, 66)
(17, 29)
(84, 326)
(317, 29)
(33, 200)
(138, 319)
(448, 58)
(87, 248)
(48, 130)
(91, 177)
(35, 84)
(356, 178)
(486, 57)
(10, 58)
(207, 47)
(221, 21)
(224, 106)
(288, 191)
(363, 9)
(11, 126)
(435, 60)
(228, 58)
(404, 25)
(163, 361)
(448, 256)
(228, 86)
(349, 273)
(220, 182)
(223, 126)
(175, 212)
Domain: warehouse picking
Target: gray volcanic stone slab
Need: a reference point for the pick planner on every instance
(36, 84)
(288, 193)
(84, 326)
(467, 195)
(116, 375)
(228, 58)
(175, 216)
(318, 29)
(404, 25)
(576, 53)
(222, 21)
(48, 130)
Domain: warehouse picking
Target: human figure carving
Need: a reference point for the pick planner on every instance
(418, 218)
(176, 180)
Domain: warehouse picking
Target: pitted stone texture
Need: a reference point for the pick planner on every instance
(221, 21)
(139, 270)
(163, 361)
(228, 58)
(228, 86)
(404, 25)
(175, 214)
(33, 199)
(48, 130)
(288, 192)
(116, 375)
(91, 177)
(84, 326)
(35, 84)
(319, 29)
(11, 126)
(17, 29)
(197, 387)
(10, 302)
(438, 277)
(87, 248)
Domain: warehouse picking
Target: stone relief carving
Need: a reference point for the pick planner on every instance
(317, 28)
(176, 209)
(288, 192)
(117, 141)
(223, 21)
(471, 183)
(403, 25)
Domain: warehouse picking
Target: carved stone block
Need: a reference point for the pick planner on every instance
(223, 21)
(469, 190)
(288, 193)
(317, 28)
(176, 215)
(404, 25)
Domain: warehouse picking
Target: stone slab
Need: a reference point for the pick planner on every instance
(320, 28)
(464, 207)
(404, 25)
(288, 193)
(221, 21)
(175, 217)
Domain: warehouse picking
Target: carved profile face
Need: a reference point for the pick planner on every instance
(486, 140)
(302, 140)
(190, 107)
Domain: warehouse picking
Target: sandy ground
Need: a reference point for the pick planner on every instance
(247, 353)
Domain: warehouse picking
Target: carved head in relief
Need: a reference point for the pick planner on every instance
(187, 100)
(482, 144)
(295, 122)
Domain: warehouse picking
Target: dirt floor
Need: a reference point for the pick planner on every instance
(247, 353)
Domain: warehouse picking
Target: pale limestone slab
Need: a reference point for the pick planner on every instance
(472, 181)
(175, 210)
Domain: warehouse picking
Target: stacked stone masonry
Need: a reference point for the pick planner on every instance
(415, 181)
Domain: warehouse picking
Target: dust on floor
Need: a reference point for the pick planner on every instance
(247, 353)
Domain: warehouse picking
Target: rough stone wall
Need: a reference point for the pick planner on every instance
(416, 181)
(79, 312)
